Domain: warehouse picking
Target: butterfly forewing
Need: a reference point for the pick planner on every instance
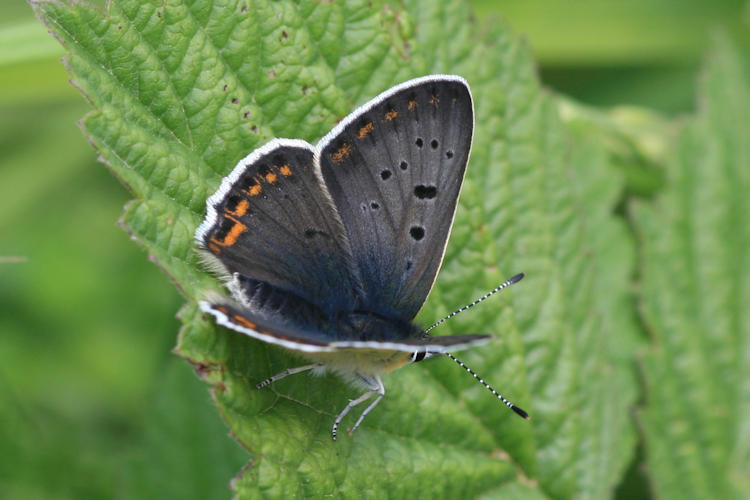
(272, 220)
(394, 169)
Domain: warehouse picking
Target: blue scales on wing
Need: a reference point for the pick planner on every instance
(272, 221)
(394, 169)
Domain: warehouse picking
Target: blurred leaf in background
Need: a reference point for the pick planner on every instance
(86, 321)
(639, 52)
(696, 293)
(94, 403)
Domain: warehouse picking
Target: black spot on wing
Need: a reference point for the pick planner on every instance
(425, 192)
(416, 232)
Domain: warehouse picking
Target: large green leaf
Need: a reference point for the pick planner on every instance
(181, 91)
(695, 297)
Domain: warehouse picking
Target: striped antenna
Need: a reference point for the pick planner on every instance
(499, 396)
(514, 279)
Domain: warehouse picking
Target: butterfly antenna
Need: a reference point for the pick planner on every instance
(499, 396)
(514, 279)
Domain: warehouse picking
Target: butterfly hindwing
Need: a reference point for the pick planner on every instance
(275, 329)
(394, 169)
(271, 219)
(270, 329)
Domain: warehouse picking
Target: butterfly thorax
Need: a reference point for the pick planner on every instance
(369, 326)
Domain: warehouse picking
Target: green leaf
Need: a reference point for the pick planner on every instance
(181, 91)
(695, 297)
(180, 437)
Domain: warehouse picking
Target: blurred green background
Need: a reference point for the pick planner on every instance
(91, 394)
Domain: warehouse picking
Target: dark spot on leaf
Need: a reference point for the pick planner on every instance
(284, 35)
(225, 87)
(119, 26)
(385, 174)
(422, 192)
(243, 9)
(416, 232)
(404, 165)
(246, 115)
(254, 129)
(235, 100)
(419, 142)
(304, 90)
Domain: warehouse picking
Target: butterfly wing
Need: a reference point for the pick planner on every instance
(449, 343)
(394, 169)
(270, 329)
(272, 220)
(277, 329)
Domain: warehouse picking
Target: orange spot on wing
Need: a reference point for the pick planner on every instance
(285, 170)
(391, 115)
(213, 246)
(255, 190)
(234, 233)
(241, 208)
(434, 100)
(365, 131)
(412, 105)
(222, 309)
(344, 151)
(244, 322)
(271, 178)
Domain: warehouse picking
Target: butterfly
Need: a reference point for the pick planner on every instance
(331, 250)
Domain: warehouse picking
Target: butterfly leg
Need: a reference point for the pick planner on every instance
(288, 371)
(376, 387)
(381, 393)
